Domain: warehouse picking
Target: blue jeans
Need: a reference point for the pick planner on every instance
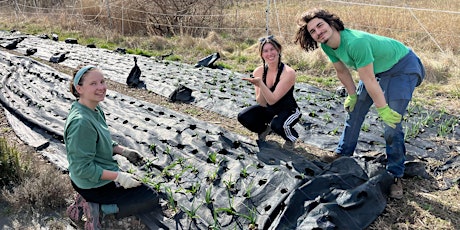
(398, 86)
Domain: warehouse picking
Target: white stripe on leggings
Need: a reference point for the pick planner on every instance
(289, 121)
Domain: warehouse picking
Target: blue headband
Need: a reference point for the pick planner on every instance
(80, 73)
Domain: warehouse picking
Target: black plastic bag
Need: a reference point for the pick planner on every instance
(58, 57)
(134, 77)
(181, 93)
(209, 61)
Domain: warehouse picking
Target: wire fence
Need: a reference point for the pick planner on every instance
(249, 17)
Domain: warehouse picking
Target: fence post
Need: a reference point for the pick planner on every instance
(108, 14)
(16, 8)
(122, 17)
(267, 11)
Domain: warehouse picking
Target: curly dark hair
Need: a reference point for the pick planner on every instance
(303, 36)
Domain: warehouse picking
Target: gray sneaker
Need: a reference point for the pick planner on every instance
(264, 134)
(396, 189)
(289, 145)
(329, 158)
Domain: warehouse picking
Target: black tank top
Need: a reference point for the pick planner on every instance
(287, 102)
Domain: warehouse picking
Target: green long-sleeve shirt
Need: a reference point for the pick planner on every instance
(89, 146)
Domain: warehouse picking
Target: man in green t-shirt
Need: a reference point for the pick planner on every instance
(388, 73)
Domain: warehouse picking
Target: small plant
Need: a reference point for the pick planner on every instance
(244, 171)
(213, 175)
(207, 197)
(166, 170)
(247, 194)
(193, 169)
(181, 160)
(447, 126)
(171, 201)
(334, 131)
(153, 148)
(155, 185)
(167, 150)
(149, 163)
(365, 127)
(251, 216)
(327, 117)
(230, 184)
(195, 188)
(191, 213)
(212, 157)
(412, 131)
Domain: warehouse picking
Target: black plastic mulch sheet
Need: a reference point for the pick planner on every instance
(210, 177)
(223, 92)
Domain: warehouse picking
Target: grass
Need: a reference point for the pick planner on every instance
(29, 184)
(425, 205)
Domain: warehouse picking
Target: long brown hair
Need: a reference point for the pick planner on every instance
(270, 39)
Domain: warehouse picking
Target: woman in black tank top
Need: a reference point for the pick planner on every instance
(276, 109)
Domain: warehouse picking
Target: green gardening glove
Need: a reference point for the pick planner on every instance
(350, 102)
(389, 116)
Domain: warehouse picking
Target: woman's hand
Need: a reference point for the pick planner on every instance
(255, 81)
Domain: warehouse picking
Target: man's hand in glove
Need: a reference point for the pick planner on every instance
(132, 155)
(389, 116)
(127, 180)
(350, 102)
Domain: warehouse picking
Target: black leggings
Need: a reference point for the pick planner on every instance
(256, 118)
(130, 201)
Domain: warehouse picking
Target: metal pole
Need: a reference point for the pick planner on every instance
(122, 17)
(108, 14)
(267, 11)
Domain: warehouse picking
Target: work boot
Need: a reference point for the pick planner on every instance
(396, 189)
(329, 158)
(289, 145)
(264, 134)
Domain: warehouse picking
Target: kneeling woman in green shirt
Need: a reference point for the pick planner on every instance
(93, 171)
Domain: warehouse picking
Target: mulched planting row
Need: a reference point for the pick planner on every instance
(207, 175)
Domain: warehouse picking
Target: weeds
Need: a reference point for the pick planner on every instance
(34, 186)
(12, 169)
(447, 126)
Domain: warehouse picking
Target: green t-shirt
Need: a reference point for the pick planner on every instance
(358, 49)
(89, 146)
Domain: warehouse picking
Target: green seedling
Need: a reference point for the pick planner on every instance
(171, 201)
(195, 188)
(191, 213)
(212, 157)
(365, 127)
(207, 197)
(153, 148)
